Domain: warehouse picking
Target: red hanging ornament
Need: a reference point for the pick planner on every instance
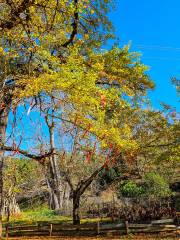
(103, 100)
(88, 156)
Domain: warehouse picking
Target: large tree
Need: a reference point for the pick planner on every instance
(50, 46)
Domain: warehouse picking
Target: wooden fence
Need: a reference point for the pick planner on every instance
(90, 229)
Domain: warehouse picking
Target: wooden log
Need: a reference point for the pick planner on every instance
(55, 227)
(167, 226)
(29, 233)
(19, 227)
(153, 229)
(75, 230)
(161, 221)
(140, 225)
(75, 233)
(112, 226)
(115, 231)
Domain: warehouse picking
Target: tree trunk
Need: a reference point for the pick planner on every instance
(1, 186)
(3, 124)
(10, 206)
(67, 203)
(59, 200)
(76, 204)
(53, 173)
(81, 188)
(53, 189)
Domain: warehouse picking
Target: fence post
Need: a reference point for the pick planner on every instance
(98, 228)
(51, 229)
(7, 231)
(127, 227)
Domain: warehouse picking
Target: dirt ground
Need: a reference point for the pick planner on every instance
(130, 237)
(109, 238)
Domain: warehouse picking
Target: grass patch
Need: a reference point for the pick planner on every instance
(37, 215)
(44, 214)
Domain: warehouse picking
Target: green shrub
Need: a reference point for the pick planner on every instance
(131, 189)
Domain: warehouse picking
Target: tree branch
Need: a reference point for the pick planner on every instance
(161, 145)
(68, 180)
(74, 25)
(84, 184)
(15, 18)
(25, 153)
(113, 84)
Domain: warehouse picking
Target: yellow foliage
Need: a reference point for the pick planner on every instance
(94, 86)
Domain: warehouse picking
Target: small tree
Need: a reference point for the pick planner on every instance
(22, 177)
(156, 186)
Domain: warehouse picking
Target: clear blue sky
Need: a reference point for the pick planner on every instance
(153, 26)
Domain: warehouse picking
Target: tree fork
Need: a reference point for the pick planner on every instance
(78, 192)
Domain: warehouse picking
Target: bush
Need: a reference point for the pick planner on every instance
(156, 186)
(131, 189)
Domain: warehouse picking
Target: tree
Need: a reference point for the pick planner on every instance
(156, 159)
(159, 149)
(50, 46)
(99, 117)
(156, 186)
(21, 177)
(83, 160)
(23, 24)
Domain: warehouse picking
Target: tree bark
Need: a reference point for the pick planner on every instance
(1, 185)
(3, 123)
(59, 200)
(67, 203)
(76, 205)
(53, 175)
(53, 188)
(78, 192)
(10, 206)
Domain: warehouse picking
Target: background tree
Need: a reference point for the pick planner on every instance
(22, 178)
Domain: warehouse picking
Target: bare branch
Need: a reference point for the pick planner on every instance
(26, 153)
(74, 24)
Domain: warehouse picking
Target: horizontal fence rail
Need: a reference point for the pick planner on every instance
(90, 229)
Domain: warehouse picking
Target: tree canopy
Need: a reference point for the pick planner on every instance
(48, 46)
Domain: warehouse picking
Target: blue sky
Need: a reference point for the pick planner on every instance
(152, 26)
